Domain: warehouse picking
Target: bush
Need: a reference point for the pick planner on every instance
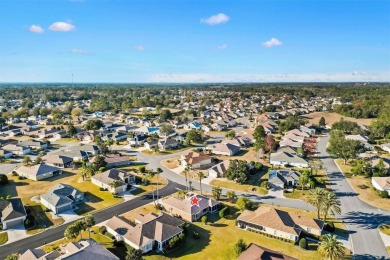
(303, 243)
(14, 173)
(329, 227)
(265, 185)
(239, 247)
(3, 179)
(204, 220)
(102, 189)
(224, 212)
(195, 235)
(142, 169)
(244, 203)
(383, 194)
(103, 230)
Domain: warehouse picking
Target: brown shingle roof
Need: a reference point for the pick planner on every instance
(256, 252)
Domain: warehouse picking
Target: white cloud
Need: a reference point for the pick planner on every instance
(222, 47)
(82, 52)
(62, 27)
(138, 47)
(271, 43)
(215, 19)
(234, 78)
(36, 29)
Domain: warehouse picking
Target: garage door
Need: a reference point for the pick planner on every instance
(13, 223)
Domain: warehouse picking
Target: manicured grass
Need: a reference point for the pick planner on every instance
(385, 229)
(67, 140)
(150, 152)
(253, 185)
(388, 249)
(320, 179)
(364, 188)
(171, 163)
(3, 238)
(217, 240)
(42, 219)
(142, 189)
(95, 235)
(149, 208)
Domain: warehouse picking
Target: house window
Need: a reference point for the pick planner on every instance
(274, 232)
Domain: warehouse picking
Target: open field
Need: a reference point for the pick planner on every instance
(331, 117)
(3, 238)
(364, 188)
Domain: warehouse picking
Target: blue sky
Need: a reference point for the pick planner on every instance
(194, 41)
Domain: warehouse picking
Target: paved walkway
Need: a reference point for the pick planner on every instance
(16, 233)
(68, 216)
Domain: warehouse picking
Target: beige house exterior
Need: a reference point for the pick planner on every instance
(38, 172)
(196, 160)
(279, 223)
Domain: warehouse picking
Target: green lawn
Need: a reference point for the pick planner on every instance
(150, 152)
(217, 240)
(385, 229)
(67, 140)
(3, 238)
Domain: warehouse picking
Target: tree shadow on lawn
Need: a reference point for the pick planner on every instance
(40, 217)
(138, 191)
(60, 176)
(9, 189)
(83, 208)
(91, 197)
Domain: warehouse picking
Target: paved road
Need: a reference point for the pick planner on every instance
(53, 234)
(361, 219)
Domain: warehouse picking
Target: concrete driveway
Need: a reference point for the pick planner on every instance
(276, 191)
(16, 233)
(68, 216)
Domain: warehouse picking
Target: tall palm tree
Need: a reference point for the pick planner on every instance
(315, 198)
(186, 170)
(89, 222)
(158, 172)
(331, 248)
(217, 192)
(201, 176)
(330, 203)
(180, 193)
(26, 160)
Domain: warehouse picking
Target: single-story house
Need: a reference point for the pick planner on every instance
(167, 143)
(151, 144)
(114, 160)
(279, 223)
(149, 232)
(256, 252)
(284, 158)
(90, 149)
(12, 212)
(38, 172)
(219, 169)
(225, 149)
(106, 180)
(381, 183)
(17, 149)
(193, 125)
(58, 160)
(137, 139)
(61, 197)
(83, 250)
(34, 144)
(282, 178)
(386, 147)
(147, 130)
(6, 154)
(188, 209)
(195, 160)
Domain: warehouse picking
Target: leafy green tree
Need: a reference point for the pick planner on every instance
(341, 147)
(331, 248)
(347, 127)
(304, 179)
(26, 160)
(315, 198)
(38, 160)
(93, 124)
(3, 179)
(380, 168)
(99, 162)
(244, 203)
(2, 159)
(76, 112)
(194, 136)
(259, 135)
(330, 203)
(238, 171)
(290, 123)
(71, 131)
(14, 256)
(381, 126)
(165, 115)
(303, 243)
(204, 220)
(217, 192)
(231, 134)
(134, 254)
(71, 232)
(166, 129)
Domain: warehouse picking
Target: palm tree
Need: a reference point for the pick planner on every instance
(217, 192)
(201, 176)
(330, 203)
(231, 195)
(71, 232)
(186, 170)
(180, 193)
(331, 248)
(158, 172)
(89, 222)
(315, 198)
(114, 184)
